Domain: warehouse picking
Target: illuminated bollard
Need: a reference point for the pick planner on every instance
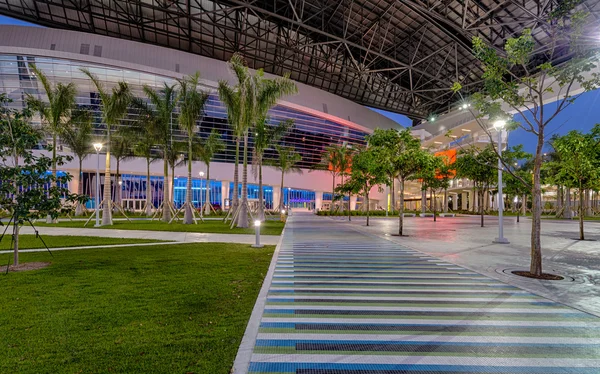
(257, 231)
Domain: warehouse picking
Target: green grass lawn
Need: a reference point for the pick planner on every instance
(173, 309)
(30, 241)
(268, 227)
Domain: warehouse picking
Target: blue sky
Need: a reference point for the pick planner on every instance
(582, 115)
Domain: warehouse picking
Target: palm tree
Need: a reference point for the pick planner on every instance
(122, 150)
(77, 135)
(207, 149)
(286, 163)
(163, 102)
(56, 112)
(329, 161)
(144, 148)
(190, 110)
(114, 107)
(264, 137)
(250, 100)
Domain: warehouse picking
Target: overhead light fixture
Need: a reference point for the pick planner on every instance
(465, 130)
(438, 142)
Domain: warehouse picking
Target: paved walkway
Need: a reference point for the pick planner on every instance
(184, 237)
(341, 301)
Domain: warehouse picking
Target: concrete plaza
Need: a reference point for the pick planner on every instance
(341, 298)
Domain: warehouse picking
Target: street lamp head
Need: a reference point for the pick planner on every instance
(499, 124)
(282, 211)
(98, 147)
(201, 174)
(257, 223)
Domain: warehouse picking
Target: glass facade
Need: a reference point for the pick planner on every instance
(294, 198)
(310, 135)
(198, 192)
(253, 193)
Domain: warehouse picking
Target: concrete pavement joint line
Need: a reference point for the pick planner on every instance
(494, 275)
(244, 354)
(315, 322)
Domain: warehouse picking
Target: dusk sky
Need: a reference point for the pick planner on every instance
(582, 115)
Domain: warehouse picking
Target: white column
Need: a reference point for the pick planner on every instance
(463, 202)
(224, 193)
(318, 200)
(74, 183)
(423, 201)
(353, 202)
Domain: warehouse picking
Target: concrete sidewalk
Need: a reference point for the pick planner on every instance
(185, 237)
(344, 301)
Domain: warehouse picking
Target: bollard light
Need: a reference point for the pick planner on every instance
(257, 233)
(97, 148)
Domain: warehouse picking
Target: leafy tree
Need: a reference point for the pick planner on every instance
(77, 135)
(344, 163)
(580, 164)
(207, 149)
(409, 159)
(265, 136)
(387, 142)
(329, 161)
(56, 111)
(247, 103)
(436, 175)
(285, 163)
(114, 108)
(192, 102)
(367, 172)
(515, 81)
(480, 167)
(22, 174)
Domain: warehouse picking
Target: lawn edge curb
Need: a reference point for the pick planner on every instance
(244, 353)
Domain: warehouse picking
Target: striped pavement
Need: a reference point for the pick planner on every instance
(343, 302)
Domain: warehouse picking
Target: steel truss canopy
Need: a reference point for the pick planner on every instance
(402, 56)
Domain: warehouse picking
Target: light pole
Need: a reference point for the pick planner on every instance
(499, 126)
(201, 174)
(257, 233)
(97, 147)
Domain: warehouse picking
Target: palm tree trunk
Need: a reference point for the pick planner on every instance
(281, 207)
(332, 192)
(207, 199)
(581, 212)
(243, 216)
(367, 201)
(106, 208)
(261, 208)
(166, 210)
(148, 190)
(236, 199)
(48, 217)
(401, 210)
(79, 209)
(117, 188)
(188, 214)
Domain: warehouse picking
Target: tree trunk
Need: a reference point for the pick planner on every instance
(281, 206)
(536, 210)
(48, 217)
(332, 193)
(207, 204)
(392, 197)
(16, 228)
(423, 200)
(236, 178)
(188, 213)
(79, 209)
(581, 211)
(243, 215)
(559, 201)
(148, 190)
(117, 188)
(367, 202)
(434, 205)
(261, 203)
(401, 210)
(518, 213)
(481, 205)
(106, 208)
(166, 210)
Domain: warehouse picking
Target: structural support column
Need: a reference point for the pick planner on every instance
(423, 201)
(464, 201)
(318, 200)
(276, 196)
(353, 202)
(224, 193)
